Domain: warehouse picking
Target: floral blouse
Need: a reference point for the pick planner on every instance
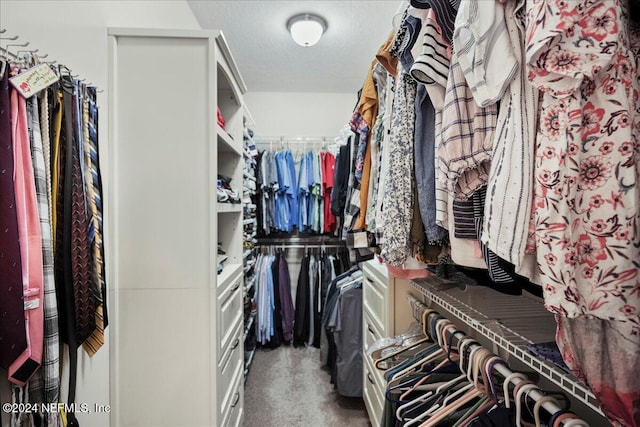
(583, 56)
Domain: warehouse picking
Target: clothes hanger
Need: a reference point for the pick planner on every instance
(564, 418)
(521, 389)
(505, 386)
(448, 409)
(489, 367)
(428, 413)
(465, 341)
(469, 375)
(415, 344)
(422, 380)
(538, 405)
(433, 356)
(462, 345)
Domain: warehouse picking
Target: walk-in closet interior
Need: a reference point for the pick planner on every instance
(319, 213)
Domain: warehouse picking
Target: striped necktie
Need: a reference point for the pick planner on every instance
(94, 202)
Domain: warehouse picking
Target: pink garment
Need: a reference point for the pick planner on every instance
(408, 274)
(328, 163)
(607, 361)
(30, 237)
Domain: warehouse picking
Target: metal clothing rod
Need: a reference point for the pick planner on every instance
(301, 139)
(300, 240)
(311, 245)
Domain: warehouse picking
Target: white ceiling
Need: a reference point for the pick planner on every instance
(268, 58)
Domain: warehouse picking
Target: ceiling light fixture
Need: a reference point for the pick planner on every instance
(306, 29)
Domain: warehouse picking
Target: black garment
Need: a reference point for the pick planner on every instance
(278, 335)
(316, 309)
(301, 325)
(498, 417)
(256, 199)
(341, 180)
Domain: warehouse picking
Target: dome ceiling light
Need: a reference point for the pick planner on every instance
(306, 29)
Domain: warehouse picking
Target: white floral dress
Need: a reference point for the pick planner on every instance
(582, 55)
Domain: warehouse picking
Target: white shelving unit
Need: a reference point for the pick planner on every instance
(178, 323)
(510, 323)
(383, 316)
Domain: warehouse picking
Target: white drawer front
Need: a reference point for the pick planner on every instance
(228, 368)
(372, 396)
(229, 314)
(375, 301)
(371, 331)
(234, 412)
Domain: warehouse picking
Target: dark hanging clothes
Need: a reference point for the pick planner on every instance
(341, 180)
(301, 325)
(277, 338)
(286, 302)
(348, 339)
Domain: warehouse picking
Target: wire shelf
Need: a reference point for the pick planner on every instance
(510, 323)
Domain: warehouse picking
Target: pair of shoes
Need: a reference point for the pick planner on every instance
(223, 197)
(224, 186)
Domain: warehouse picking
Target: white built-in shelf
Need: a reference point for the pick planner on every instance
(229, 207)
(510, 322)
(229, 272)
(226, 143)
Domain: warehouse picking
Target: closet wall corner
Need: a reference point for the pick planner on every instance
(175, 178)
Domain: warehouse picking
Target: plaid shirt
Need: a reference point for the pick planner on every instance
(467, 136)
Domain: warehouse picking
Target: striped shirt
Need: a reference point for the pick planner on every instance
(431, 67)
(484, 50)
(509, 190)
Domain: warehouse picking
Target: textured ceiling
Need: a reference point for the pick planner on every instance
(268, 58)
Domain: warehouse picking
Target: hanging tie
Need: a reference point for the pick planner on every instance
(85, 303)
(94, 202)
(30, 238)
(13, 335)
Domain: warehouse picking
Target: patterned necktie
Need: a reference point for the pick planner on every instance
(74, 284)
(94, 203)
(85, 302)
(13, 335)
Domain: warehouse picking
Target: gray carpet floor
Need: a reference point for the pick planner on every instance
(287, 387)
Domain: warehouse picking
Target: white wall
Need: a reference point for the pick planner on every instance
(75, 34)
(292, 114)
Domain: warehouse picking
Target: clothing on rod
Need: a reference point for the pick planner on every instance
(295, 192)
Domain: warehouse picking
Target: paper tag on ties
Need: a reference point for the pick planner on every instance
(31, 304)
(33, 80)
